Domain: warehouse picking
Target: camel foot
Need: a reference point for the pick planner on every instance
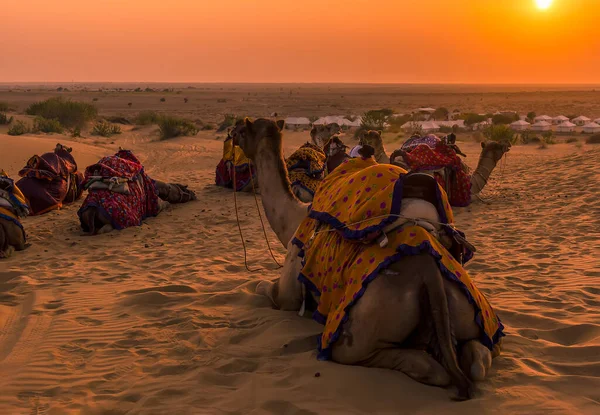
(7, 252)
(417, 364)
(268, 289)
(105, 229)
(475, 360)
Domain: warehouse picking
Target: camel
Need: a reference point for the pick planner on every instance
(491, 154)
(379, 322)
(320, 134)
(121, 194)
(335, 151)
(373, 139)
(12, 207)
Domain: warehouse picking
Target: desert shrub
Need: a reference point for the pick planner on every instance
(548, 137)
(19, 128)
(147, 118)
(441, 114)
(95, 99)
(472, 118)
(185, 100)
(44, 125)
(4, 119)
(4, 107)
(373, 120)
(504, 119)
(105, 129)
(68, 113)
(129, 104)
(528, 137)
(229, 120)
(75, 132)
(594, 139)
(531, 116)
(500, 132)
(572, 140)
(397, 122)
(446, 130)
(163, 99)
(208, 127)
(174, 127)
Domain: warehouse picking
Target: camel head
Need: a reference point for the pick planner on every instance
(320, 134)
(252, 136)
(334, 146)
(494, 150)
(371, 138)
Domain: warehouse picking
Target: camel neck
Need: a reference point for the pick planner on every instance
(482, 173)
(283, 210)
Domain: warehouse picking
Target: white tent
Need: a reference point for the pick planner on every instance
(430, 127)
(543, 118)
(541, 126)
(520, 125)
(591, 128)
(566, 127)
(597, 120)
(294, 122)
(559, 119)
(581, 120)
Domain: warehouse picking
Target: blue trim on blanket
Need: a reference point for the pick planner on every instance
(363, 233)
(403, 250)
(299, 183)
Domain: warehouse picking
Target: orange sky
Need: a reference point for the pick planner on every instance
(384, 41)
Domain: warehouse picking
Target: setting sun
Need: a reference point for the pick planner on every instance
(543, 4)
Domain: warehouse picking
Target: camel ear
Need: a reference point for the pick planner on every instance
(380, 132)
(280, 124)
(482, 144)
(248, 124)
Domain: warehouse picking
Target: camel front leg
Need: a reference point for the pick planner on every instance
(286, 292)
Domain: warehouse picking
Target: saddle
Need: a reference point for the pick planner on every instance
(419, 200)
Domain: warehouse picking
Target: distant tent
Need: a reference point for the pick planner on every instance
(520, 125)
(430, 127)
(339, 119)
(566, 127)
(581, 120)
(541, 126)
(559, 119)
(543, 118)
(591, 128)
(297, 122)
(597, 120)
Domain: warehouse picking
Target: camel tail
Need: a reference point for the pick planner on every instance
(438, 303)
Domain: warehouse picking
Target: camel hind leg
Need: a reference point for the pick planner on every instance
(174, 192)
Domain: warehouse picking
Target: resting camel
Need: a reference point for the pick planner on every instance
(383, 326)
(491, 154)
(12, 208)
(121, 194)
(320, 134)
(51, 180)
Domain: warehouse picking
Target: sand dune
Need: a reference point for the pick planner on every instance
(163, 318)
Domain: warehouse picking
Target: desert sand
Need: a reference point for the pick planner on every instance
(163, 319)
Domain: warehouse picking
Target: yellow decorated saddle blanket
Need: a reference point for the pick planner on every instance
(353, 204)
(306, 167)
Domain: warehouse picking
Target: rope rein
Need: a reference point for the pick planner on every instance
(259, 215)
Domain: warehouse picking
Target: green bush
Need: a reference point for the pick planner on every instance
(548, 137)
(41, 124)
(75, 132)
(68, 113)
(4, 107)
(229, 120)
(19, 128)
(504, 118)
(446, 130)
(163, 99)
(528, 137)
(472, 118)
(4, 119)
(500, 132)
(594, 139)
(147, 118)
(572, 140)
(174, 127)
(105, 129)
